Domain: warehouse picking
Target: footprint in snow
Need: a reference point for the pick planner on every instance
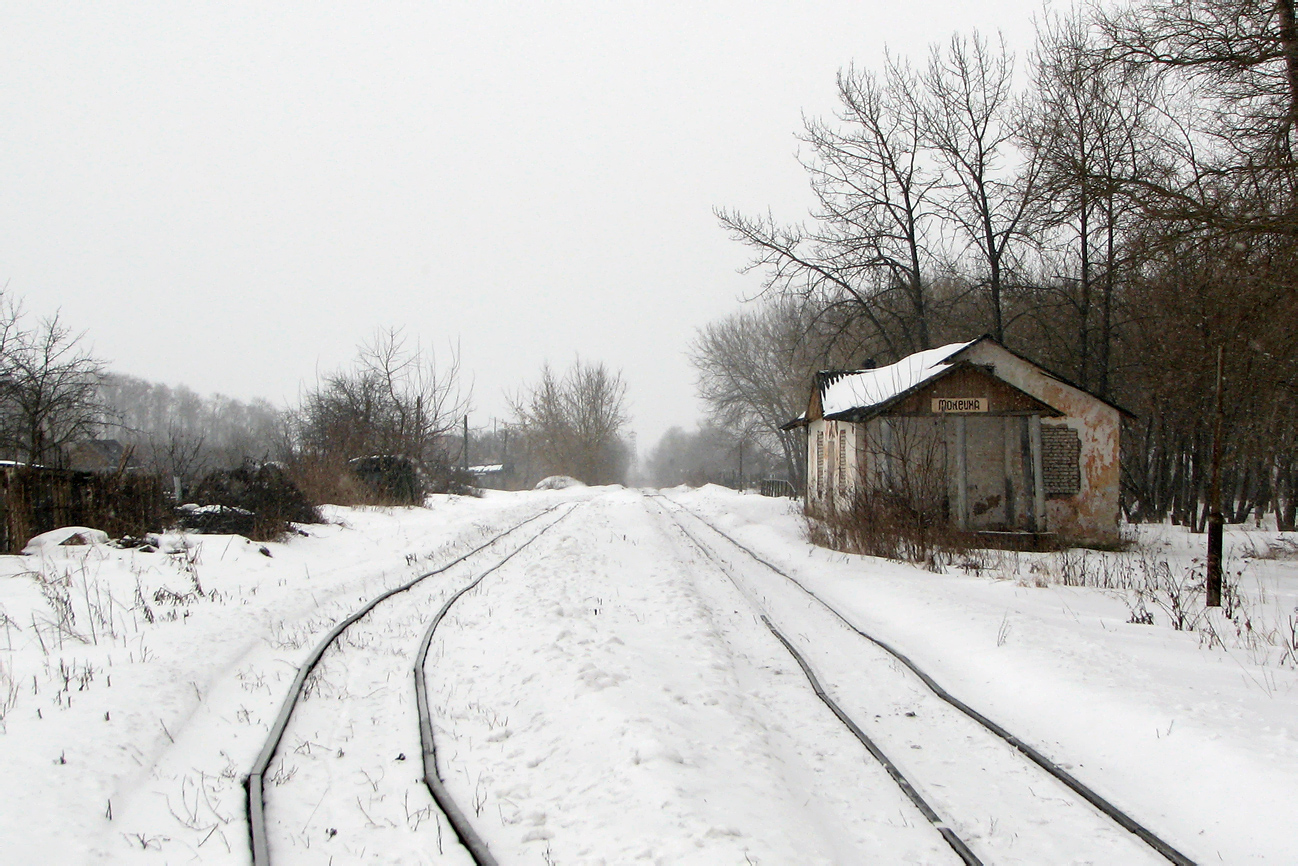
(597, 680)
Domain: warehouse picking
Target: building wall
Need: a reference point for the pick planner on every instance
(1091, 515)
(832, 464)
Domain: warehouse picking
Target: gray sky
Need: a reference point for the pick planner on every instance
(232, 196)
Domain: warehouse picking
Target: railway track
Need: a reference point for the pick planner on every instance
(376, 682)
(1065, 806)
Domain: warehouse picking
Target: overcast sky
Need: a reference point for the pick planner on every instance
(232, 196)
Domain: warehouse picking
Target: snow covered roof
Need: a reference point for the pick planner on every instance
(854, 394)
(864, 388)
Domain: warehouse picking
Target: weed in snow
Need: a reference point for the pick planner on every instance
(1156, 591)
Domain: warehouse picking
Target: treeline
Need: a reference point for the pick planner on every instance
(708, 455)
(176, 433)
(387, 426)
(1120, 209)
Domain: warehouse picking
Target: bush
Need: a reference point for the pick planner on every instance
(879, 524)
(442, 477)
(265, 493)
(327, 480)
(377, 480)
(391, 479)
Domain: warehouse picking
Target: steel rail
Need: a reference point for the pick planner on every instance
(254, 784)
(468, 837)
(957, 844)
(1074, 784)
(948, 835)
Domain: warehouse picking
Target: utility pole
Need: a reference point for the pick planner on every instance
(1215, 518)
(466, 443)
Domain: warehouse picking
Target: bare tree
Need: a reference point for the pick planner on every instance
(571, 423)
(754, 369)
(395, 399)
(970, 124)
(1234, 64)
(866, 257)
(1090, 126)
(50, 388)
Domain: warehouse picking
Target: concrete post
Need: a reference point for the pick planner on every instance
(961, 475)
(1038, 476)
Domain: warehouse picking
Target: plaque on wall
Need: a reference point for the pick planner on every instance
(959, 405)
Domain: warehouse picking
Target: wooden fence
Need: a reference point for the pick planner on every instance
(777, 487)
(34, 499)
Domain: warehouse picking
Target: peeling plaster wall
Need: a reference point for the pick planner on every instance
(831, 483)
(1091, 516)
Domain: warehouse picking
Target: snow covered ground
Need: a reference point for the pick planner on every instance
(610, 695)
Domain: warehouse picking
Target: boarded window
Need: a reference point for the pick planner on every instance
(820, 462)
(842, 460)
(1061, 452)
(830, 464)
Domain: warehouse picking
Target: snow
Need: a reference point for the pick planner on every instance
(195, 508)
(1198, 741)
(558, 482)
(872, 387)
(609, 695)
(47, 541)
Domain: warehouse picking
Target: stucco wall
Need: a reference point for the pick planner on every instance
(1091, 516)
(831, 483)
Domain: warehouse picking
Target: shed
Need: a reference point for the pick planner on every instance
(100, 455)
(972, 431)
(493, 476)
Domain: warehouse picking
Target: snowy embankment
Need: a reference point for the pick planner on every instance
(609, 694)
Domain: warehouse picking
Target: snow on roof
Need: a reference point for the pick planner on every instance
(865, 388)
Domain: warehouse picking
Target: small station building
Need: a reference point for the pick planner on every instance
(973, 431)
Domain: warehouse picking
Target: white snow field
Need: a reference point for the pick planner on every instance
(610, 695)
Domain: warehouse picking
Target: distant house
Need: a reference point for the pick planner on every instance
(99, 455)
(494, 476)
(972, 431)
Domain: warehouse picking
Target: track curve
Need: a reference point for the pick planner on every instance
(958, 845)
(1104, 806)
(254, 783)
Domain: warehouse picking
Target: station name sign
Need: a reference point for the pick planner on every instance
(959, 405)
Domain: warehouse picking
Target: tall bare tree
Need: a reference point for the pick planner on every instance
(971, 119)
(865, 258)
(49, 388)
(1235, 65)
(873, 182)
(1090, 126)
(571, 423)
